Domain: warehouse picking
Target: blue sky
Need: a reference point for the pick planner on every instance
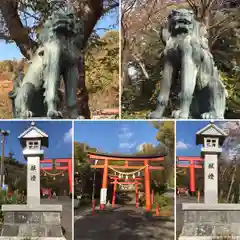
(59, 133)
(186, 137)
(115, 136)
(11, 51)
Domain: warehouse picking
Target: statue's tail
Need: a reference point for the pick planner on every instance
(12, 96)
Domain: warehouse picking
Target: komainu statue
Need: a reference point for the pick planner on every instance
(37, 93)
(189, 65)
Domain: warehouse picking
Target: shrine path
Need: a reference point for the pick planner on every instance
(66, 220)
(179, 212)
(122, 223)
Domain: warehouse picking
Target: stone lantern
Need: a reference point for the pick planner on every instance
(32, 141)
(212, 138)
(211, 219)
(32, 220)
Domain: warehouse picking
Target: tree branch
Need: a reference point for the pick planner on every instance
(18, 33)
(109, 8)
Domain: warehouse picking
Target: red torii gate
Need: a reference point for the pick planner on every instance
(193, 163)
(116, 180)
(65, 164)
(146, 160)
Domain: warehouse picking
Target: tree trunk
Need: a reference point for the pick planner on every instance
(82, 94)
(232, 181)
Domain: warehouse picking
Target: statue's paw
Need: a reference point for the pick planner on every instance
(54, 114)
(207, 115)
(27, 114)
(154, 115)
(211, 115)
(178, 114)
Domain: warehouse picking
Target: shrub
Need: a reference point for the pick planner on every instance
(162, 201)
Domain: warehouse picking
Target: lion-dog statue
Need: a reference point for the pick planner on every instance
(189, 64)
(37, 93)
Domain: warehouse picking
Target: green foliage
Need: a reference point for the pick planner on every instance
(224, 236)
(82, 167)
(16, 198)
(80, 154)
(166, 135)
(102, 62)
(162, 201)
(141, 97)
(102, 69)
(159, 189)
(128, 114)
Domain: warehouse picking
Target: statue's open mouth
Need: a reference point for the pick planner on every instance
(181, 24)
(184, 21)
(64, 27)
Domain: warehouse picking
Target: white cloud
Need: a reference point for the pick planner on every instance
(182, 145)
(126, 138)
(68, 136)
(125, 132)
(140, 146)
(125, 135)
(126, 145)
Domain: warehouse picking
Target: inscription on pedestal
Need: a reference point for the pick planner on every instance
(32, 224)
(211, 223)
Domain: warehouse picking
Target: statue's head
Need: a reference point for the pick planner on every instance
(181, 21)
(63, 19)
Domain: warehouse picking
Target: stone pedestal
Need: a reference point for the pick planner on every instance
(30, 222)
(210, 221)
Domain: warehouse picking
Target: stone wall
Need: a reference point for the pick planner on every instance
(211, 223)
(32, 224)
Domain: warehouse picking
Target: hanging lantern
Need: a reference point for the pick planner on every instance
(133, 176)
(54, 178)
(139, 174)
(126, 177)
(62, 174)
(115, 173)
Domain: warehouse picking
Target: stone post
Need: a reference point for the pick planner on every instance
(211, 174)
(33, 183)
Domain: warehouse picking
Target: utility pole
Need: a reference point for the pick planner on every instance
(4, 133)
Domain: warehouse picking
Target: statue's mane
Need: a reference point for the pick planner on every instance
(199, 32)
(48, 30)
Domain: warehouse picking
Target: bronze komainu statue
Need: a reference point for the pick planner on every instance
(189, 63)
(37, 93)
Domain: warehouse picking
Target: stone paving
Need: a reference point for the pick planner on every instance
(122, 223)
